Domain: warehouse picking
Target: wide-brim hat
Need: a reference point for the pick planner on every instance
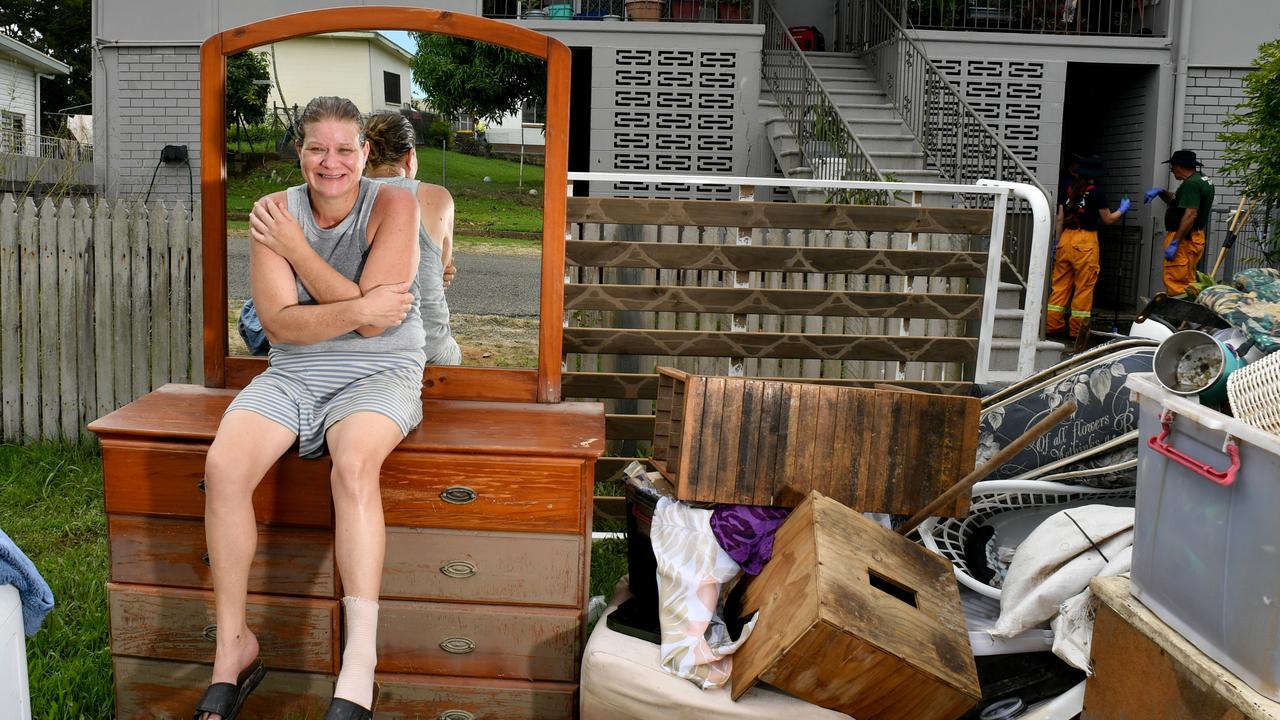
(1185, 158)
(1092, 166)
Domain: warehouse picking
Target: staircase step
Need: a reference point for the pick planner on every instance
(1004, 357)
(853, 112)
(909, 174)
(1009, 296)
(891, 142)
(1008, 323)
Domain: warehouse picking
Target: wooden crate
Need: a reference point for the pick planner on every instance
(857, 619)
(1144, 669)
(765, 442)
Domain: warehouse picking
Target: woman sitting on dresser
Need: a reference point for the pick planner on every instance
(335, 290)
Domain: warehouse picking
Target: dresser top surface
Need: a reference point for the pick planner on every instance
(192, 412)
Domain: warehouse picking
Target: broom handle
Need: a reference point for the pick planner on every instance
(1231, 233)
(990, 466)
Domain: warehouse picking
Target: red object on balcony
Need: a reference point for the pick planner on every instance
(684, 9)
(808, 38)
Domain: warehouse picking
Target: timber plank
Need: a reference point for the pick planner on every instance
(49, 415)
(798, 216)
(10, 358)
(645, 385)
(780, 258)
(68, 396)
(707, 343)
(655, 298)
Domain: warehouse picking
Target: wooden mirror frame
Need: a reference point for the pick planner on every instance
(441, 382)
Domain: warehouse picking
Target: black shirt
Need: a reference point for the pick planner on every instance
(1082, 213)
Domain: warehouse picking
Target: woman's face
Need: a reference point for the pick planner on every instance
(332, 157)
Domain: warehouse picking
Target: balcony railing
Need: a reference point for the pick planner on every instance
(698, 11)
(27, 159)
(43, 146)
(1066, 17)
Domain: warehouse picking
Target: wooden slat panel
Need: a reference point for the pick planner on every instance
(419, 697)
(652, 298)
(854, 261)
(70, 311)
(628, 427)
(176, 624)
(156, 551)
(49, 416)
(715, 213)
(486, 567)
(10, 374)
(645, 385)
(517, 643)
(777, 345)
(149, 689)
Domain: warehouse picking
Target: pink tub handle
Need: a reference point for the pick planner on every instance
(1160, 444)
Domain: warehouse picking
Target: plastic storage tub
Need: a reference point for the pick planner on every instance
(1206, 551)
(15, 700)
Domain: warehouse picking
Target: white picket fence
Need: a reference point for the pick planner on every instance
(98, 305)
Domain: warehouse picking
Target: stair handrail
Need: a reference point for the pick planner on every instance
(879, 33)
(828, 145)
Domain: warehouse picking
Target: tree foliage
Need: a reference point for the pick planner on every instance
(61, 30)
(466, 77)
(1252, 151)
(248, 88)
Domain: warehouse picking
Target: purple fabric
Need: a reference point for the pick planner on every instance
(746, 533)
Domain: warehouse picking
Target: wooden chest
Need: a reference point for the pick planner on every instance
(764, 442)
(858, 619)
(488, 510)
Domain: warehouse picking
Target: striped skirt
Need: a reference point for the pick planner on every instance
(309, 393)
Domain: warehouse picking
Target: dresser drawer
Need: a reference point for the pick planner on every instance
(482, 492)
(488, 567)
(178, 624)
(408, 697)
(522, 643)
(158, 478)
(147, 689)
(159, 551)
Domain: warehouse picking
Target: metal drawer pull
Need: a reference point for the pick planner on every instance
(200, 485)
(210, 633)
(204, 558)
(458, 495)
(457, 645)
(455, 715)
(458, 569)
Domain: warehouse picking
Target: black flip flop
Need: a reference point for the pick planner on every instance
(343, 709)
(224, 699)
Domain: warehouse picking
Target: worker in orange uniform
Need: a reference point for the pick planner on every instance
(1185, 218)
(1075, 265)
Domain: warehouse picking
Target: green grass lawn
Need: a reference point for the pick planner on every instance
(501, 205)
(51, 505)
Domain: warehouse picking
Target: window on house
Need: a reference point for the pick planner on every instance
(533, 112)
(12, 132)
(391, 87)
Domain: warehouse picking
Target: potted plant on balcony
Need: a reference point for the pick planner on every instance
(733, 10)
(532, 9)
(644, 9)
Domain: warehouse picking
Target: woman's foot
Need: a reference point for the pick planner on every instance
(343, 709)
(235, 664)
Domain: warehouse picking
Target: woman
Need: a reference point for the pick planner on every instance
(393, 159)
(345, 374)
(1075, 267)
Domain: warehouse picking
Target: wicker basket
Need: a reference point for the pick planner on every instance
(644, 9)
(1254, 392)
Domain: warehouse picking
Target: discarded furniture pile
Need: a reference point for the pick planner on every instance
(821, 551)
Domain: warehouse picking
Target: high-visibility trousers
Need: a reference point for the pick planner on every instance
(1180, 272)
(1075, 273)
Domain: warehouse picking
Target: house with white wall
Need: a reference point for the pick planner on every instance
(21, 70)
(365, 67)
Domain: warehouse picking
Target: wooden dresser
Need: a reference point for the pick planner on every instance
(488, 512)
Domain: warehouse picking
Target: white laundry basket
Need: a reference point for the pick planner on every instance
(15, 698)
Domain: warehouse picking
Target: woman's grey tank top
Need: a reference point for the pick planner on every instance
(345, 247)
(439, 343)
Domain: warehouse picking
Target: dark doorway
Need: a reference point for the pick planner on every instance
(1110, 110)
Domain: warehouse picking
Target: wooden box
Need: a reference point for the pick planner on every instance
(765, 442)
(1142, 668)
(857, 619)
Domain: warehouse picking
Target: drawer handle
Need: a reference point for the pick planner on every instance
(200, 485)
(458, 569)
(210, 633)
(457, 645)
(455, 715)
(204, 558)
(458, 495)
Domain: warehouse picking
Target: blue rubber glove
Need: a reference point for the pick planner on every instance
(1151, 194)
(1124, 206)
(1171, 250)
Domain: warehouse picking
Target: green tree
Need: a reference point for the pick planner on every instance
(248, 89)
(466, 77)
(59, 29)
(1253, 149)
